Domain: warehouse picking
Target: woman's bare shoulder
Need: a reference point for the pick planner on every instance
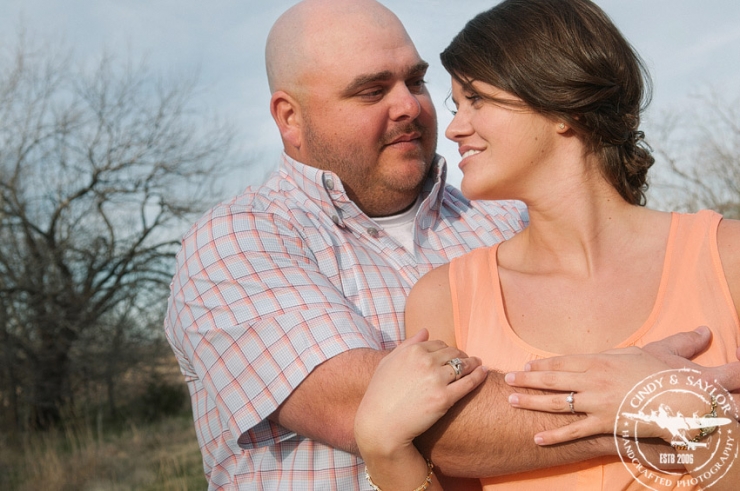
(728, 243)
(429, 306)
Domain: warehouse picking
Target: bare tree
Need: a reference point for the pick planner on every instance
(98, 170)
(701, 146)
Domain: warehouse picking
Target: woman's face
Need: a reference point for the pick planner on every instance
(505, 148)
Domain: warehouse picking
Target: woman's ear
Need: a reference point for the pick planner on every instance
(286, 112)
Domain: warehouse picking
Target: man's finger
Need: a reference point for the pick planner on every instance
(682, 345)
(728, 376)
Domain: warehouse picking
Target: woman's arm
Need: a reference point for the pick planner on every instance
(429, 306)
(728, 243)
(411, 389)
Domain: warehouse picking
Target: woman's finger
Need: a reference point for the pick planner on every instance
(419, 337)
(569, 363)
(580, 429)
(460, 388)
(560, 381)
(559, 402)
(465, 365)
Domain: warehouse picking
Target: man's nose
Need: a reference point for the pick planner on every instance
(404, 104)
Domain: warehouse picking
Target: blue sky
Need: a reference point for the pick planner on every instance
(688, 46)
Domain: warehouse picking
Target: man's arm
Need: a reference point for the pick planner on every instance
(323, 406)
(252, 313)
(482, 435)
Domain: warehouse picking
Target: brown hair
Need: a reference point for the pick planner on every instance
(566, 60)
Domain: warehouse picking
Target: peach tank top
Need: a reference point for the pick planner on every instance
(693, 291)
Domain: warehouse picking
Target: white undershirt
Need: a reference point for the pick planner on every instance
(401, 226)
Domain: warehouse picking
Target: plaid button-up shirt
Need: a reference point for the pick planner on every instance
(282, 278)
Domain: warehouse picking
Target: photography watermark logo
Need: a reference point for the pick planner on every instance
(705, 436)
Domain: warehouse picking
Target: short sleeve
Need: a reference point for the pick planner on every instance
(254, 314)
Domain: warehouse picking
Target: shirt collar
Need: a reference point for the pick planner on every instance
(325, 187)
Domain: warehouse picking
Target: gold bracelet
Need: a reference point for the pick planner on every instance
(703, 432)
(427, 480)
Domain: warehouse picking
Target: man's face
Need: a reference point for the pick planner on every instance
(369, 118)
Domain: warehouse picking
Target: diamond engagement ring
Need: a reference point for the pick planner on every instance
(570, 402)
(456, 365)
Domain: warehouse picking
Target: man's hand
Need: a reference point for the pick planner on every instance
(677, 351)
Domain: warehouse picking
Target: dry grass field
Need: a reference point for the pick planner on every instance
(162, 456)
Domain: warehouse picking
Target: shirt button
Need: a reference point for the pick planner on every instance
(329, 183)
(335, 219)
(373, 232)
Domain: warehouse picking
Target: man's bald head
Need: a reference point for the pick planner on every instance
(348, 96)
(309, 32)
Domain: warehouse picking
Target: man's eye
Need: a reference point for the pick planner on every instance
(417, 84)
(371, 93)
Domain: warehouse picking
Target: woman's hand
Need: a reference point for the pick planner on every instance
(411, 389)
(598, 382)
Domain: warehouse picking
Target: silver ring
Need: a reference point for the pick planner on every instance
(570, 402)
(456, 365)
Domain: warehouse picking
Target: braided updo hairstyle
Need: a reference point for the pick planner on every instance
(566, 60)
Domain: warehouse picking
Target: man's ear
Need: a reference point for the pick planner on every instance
(286, 112)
